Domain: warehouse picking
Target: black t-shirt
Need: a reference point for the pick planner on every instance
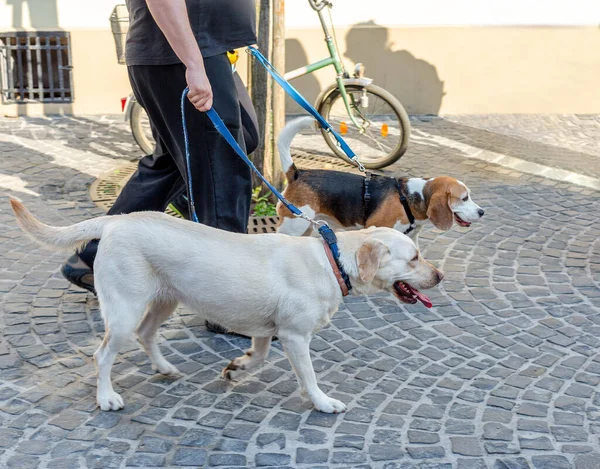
(218, 25)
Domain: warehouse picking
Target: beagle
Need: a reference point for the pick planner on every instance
(257, 285)
(350, 201)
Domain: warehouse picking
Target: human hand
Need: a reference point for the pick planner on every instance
(200, 91)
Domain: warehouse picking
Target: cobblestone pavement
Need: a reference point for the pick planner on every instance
(579, 132)
(503, 372)
(567, 141)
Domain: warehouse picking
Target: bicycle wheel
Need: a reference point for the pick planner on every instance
(140, 128)
(386, 127)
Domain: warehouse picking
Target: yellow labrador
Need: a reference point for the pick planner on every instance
(258, 285)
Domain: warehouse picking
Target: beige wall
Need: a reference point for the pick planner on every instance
(99, 81)
(451, 70)
(435, 69)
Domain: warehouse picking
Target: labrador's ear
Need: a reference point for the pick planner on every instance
(439, 211)
(368, 258)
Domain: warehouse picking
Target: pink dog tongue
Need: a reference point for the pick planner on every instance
(421, 297)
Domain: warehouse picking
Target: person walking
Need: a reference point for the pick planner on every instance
(171, 45)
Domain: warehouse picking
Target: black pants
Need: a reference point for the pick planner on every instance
(221, 180)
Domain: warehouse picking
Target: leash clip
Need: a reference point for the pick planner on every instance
(312, 221)
(361, 168)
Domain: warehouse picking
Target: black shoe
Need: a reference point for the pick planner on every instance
(78, 273)
(180, 205)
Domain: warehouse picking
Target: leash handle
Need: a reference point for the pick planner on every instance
(301, 100)
(187, 157)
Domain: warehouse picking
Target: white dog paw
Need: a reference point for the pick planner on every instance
(234, 368)
(230, 374)
(329, 405)
(110, 401)
(166, 369)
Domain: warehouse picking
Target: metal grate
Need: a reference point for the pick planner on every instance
(36, 66)
(258, 225)
(310, 160)
(106, 188)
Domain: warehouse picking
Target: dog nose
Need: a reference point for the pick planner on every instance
(440, 276)
(480, 212)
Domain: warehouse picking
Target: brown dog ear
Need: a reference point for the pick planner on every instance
(439, 211)
(368, 258)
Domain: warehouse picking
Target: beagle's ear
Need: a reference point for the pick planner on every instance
(439, 211)
(368, 258)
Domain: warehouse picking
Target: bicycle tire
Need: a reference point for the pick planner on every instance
(328, 100)
(137, 129)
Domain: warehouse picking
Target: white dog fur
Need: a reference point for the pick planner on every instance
(258, 285)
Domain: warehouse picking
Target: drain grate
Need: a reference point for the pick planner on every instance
(107, 187)
(306, 160)
(105, 190)
(258, 225)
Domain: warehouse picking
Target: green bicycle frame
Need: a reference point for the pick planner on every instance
(333, 59)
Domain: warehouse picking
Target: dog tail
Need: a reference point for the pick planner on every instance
(63, 237)
(284, 142)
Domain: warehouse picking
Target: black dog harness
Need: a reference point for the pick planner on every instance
(403, 201)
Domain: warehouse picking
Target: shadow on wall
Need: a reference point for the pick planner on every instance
(413, 81)
(295, 57)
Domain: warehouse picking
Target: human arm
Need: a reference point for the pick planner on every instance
(171, 16)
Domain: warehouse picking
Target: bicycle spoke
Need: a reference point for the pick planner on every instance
(381, 146)
(379, 132)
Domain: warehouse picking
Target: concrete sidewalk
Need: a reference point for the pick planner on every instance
(503, 372)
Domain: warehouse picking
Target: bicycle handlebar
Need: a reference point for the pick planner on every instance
(318, 5)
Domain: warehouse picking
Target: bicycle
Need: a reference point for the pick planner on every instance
(371, 120)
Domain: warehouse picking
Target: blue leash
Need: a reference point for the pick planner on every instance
(224, 131)
(324, 230)
(301, 100)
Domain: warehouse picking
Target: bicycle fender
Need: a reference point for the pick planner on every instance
(129, 107)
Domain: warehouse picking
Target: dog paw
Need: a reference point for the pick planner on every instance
(110, 401)
(329, 405)
(232, 370)
(166, 369)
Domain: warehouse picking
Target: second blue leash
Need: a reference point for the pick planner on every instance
(224, 131)
(324, 230)
(303, 102)
(188, 163)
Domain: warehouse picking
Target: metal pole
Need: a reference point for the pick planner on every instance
(261, 93)
(278, 93)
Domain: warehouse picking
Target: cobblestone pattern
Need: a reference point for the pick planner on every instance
(503, 372)
(578, 132)
(567, 141)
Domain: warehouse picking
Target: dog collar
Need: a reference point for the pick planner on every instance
(333, 256)
(404, 202)
(336, 270)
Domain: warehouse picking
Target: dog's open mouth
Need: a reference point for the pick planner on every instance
(407, 294)
(460, 221)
